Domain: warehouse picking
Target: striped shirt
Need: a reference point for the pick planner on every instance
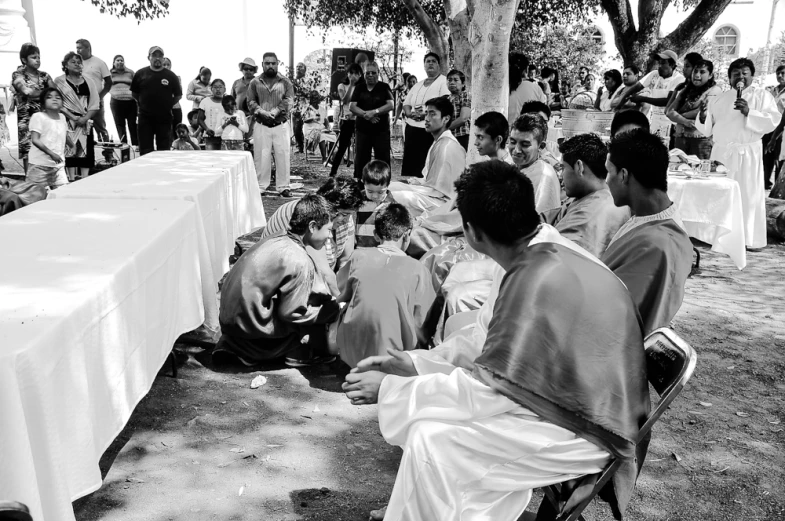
(280, 96)
(278, 224)
(366, 221)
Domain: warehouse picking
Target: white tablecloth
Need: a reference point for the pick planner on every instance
(222, 184)
(712, 213)
(92, 296)
(245, 200)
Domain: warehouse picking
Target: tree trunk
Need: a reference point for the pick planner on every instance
(459, 34)
(635, 45)
(775, 217)
(434, 36)
(489, 38)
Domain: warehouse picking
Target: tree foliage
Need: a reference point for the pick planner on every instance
(139, 9)
(565, 48)
(384, 15)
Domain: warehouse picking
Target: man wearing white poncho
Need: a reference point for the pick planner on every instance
(737, 121)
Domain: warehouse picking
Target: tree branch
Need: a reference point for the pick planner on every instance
(431, 30)
(620, 15)
(695, 26)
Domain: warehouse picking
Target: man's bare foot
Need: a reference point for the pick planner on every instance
(378, 515)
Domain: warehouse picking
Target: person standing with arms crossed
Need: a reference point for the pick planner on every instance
(96, 70)
(371, 103)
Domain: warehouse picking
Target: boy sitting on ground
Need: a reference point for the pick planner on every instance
(387, 294)
(274, 296)
(376, 180)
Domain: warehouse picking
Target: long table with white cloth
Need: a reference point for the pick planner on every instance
(93, 294)
(710, 207)
(222, 185)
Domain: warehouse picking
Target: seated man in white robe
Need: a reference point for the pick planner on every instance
(737, 120)
(651, 253)
(476, 443)
(589, 217)
(445, 161)
(443, 225)
(468, 287)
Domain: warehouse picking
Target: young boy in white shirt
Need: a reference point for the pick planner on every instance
(49, 131)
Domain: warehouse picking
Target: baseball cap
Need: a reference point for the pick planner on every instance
(668, 54)
(153, 49)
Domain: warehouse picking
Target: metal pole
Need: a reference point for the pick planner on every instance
(291, 48)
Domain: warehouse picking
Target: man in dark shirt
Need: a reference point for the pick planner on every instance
(156, 90)
(371, 103)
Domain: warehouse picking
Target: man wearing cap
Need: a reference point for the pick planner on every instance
(156, 90)
(660, 83)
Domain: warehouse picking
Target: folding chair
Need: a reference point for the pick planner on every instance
(670, 362)
(13, 511)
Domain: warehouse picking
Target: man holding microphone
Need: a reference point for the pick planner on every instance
(737, 120)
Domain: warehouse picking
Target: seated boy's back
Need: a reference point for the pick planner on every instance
(387, 297)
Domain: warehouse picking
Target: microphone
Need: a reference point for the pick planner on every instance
(739, 88)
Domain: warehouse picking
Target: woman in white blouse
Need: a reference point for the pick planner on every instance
(416, 140)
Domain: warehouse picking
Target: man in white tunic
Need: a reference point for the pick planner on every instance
(476, 443)
(737, 120)
(445, 161)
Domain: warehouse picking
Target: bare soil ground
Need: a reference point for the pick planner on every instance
(204, 446)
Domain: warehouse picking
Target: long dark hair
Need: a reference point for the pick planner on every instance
(519, 64)
(614, 75)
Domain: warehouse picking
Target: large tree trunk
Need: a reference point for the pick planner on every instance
(459, 34)
(434, 36)
(635, 45)
(489, 37)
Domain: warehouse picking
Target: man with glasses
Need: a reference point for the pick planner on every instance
(270, 98)
(371, 103)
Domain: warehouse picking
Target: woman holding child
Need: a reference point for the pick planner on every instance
(80, 104)
(686, 108)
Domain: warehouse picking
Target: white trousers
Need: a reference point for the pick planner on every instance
(470, 453)
(269, 141)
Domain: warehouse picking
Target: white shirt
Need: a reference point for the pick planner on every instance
(230, 131)
(526, 91)
(212, 114)
(53, 132)
(419, 94)
(95, 69)
(659, 87)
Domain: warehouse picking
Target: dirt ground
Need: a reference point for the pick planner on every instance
(204, 446)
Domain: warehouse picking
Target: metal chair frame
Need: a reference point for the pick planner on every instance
(670, 362)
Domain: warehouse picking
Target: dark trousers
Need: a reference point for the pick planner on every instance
(365, 143)
(415, 149)
(124, 112)
(770, 159)
(298, 132)
(177, 118)
(151, 129)
(344, 140)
